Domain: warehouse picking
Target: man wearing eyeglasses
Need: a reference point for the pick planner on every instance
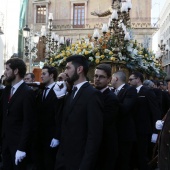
(146, 114)
(109, 148)
(126, 127)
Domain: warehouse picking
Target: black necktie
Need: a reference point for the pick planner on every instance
(73, 93)
(44, 93)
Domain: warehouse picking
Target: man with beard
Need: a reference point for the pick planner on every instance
(17, 116)
(109, 148)
(82, 123)
(49, 103)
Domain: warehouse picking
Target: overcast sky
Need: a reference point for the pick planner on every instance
(157, 6)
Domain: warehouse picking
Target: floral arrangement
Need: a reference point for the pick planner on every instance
(132, 55)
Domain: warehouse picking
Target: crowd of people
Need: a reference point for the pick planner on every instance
(67, 123)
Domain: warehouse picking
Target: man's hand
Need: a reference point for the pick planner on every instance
(159, 124)
(60, 92)
(54, 143)
(19, 156)
(154, 138)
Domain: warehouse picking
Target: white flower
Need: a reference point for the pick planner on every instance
(106, 51)
(135, 51)
(91, 59)
(129, 48)
(97, 57)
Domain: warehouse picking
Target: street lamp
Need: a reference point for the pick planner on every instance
(31, 40)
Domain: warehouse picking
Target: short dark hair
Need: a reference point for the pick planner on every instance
(79, 60)
(106, 68)
(52, 70)
(32, 75)
(138, 75)
(17, 63)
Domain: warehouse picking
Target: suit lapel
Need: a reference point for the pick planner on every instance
(106, 92)
(121, 92)
(140, 91)
(70, 106)
(50, 95)
(17, 93)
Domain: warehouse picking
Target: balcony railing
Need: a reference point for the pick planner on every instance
(91, 23)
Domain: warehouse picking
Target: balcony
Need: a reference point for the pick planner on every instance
(91, 23)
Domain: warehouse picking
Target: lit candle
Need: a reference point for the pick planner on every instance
(96, 34)
(53, 35)
(167, 47)
(114, 14)
(43, 31)
(50, 16)
(124, 7)
(62, 40)
(57, 38)
(129, 4)
(127, 36)
(104, 28)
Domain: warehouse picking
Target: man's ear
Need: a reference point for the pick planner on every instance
(52, 75)
(79, 69)
(16, 71)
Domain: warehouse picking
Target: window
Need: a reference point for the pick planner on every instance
(41, 14)
(79, 16)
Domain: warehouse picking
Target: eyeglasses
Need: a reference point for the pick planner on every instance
(100, 77)
(132, 79)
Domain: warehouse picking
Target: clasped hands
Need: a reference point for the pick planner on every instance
(60, 92)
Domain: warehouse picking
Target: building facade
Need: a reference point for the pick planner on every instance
(73, 19)
(164, 35)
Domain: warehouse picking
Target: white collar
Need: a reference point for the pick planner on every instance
(120, 87)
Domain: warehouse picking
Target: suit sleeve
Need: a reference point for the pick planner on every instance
(154, 108)
(59, 117)
(95, 129)
(28, 125)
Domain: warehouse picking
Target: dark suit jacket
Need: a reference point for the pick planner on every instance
(48, 118)
(18, 116)
(81, 129)
(126, 126)
(147, 111)
(165, 103)
(109, 148)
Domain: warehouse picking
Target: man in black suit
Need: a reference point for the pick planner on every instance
(48, 119)
(146, 114)
(17, 116)
(109, 148)
(126, 127)
(82, 123)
